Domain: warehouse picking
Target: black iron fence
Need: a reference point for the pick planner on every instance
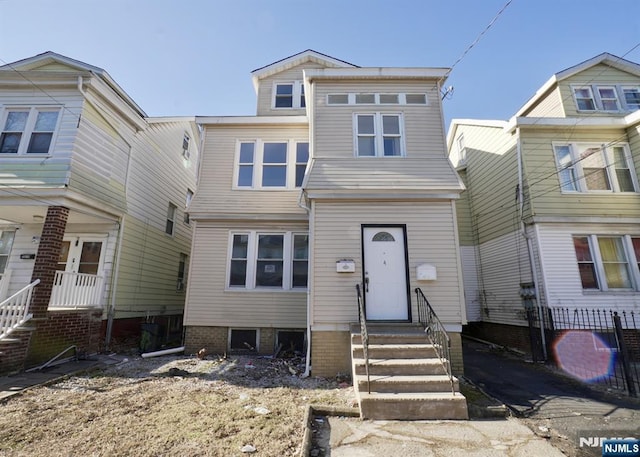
(594, 345)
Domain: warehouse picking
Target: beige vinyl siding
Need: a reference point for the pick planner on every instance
(333, 124)
(561, 270)
(26, 171)
(149, 271)
(505, 264)
(463, 214)
(469, 258)
(544, 183)
(99, 162)
(384, 173)
(211, 303)
(337, 235)
(266, 87)
(549, 106)
(21, 269)
(492, 177)
(215, 192)
(599, 75)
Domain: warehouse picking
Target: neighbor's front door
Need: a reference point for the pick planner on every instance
(385, 273)
(81, 255)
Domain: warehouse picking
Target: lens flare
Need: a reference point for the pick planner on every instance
(584, 355)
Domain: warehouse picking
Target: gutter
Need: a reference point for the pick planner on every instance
(527, 237)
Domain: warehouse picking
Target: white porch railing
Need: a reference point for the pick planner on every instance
(14, 311)
(4, 283)
(76, 290)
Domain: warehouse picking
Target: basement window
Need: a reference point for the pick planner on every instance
(290, 342)
(245, 340)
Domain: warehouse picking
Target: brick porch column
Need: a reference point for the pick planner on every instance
(47, 258)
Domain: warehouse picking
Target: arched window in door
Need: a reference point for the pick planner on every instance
(383, 236)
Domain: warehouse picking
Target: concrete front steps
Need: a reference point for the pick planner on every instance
(407, 379)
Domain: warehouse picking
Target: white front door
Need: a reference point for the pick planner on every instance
(385, 273)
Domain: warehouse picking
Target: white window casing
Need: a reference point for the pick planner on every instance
(288, 95)
(378, 135)
(608, 262)
(28, 131)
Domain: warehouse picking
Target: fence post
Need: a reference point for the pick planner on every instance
(624, 355)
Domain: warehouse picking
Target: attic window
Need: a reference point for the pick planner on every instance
(416, 99)
(289, 95)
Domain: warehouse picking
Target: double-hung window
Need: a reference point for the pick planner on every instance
(289, 95)
(6, 241)
(28, 130)
(607, 262)
(171, 219)
(631, 97)
(378, 135)
(271, 164)
(265, 260)
(585, 167)
(584, 98)
(608, 98)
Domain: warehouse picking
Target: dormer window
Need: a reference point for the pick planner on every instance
(289, 95)
(632, 97)
(584, 98)
(28, 130)
(608, 98)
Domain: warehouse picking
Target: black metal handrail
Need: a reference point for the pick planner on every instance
(364, 336)
(437, 335)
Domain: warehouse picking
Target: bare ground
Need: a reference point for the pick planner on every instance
(169, 406)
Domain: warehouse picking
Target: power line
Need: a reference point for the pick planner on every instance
(477, 40)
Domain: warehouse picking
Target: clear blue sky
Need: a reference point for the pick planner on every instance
(193, 57)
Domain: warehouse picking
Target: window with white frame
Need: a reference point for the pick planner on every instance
(302, 157)
(607, 262)
(376, 99)
(185, 146)
(378, 135)
(6, 241)
(631, 97)
(171, 219)
(28, 130)
(461, 148)
(608, 98)
(289, 95)
(265, 260)
(586, 167)
(584, 98)
(187, 202)
(612, 97)
(182, 272)
(270, 164)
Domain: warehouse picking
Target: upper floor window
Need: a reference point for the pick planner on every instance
(377, 99)
(631, 97)
(188, 198)
(289, 95)
(591, 168)
(271, 164)
(185, 146)
(606, 98)
(461, 148)
(268, 260)
(608, 262)
(6, 241)
(28, 130)
(378, 135)
(171, 219)
(182, 272)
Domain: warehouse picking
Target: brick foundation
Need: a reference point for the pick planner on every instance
(126, 334)
(61, 329)
(213, 339)
(330, 353)
(14, 353)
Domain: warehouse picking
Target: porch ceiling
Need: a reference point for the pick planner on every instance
(36, 214)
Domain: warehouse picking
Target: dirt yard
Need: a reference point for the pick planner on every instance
(169, 406)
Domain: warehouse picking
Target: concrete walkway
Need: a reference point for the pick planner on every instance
(485, 438)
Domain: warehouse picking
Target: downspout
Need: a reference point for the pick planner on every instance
(527, 237)
(307, 368)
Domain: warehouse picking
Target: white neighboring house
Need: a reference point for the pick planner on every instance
(93, 195)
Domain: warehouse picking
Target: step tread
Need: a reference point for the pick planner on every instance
(412, 396)
(419, 378)
(399, 362)
(399, 346)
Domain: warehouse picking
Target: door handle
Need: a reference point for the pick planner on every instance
(366, 284)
